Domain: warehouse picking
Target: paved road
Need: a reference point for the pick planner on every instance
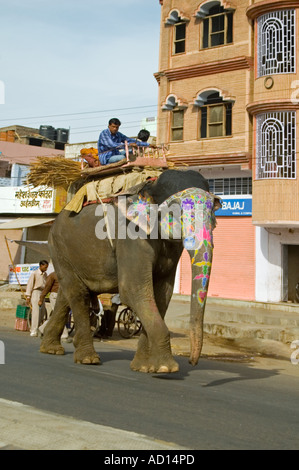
(216, 405)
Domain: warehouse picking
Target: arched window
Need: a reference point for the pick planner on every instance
(215, 115)
(179, 23)
(217, 24)
(177, 107)
(276, 144)
(177, 125)
(276, 43)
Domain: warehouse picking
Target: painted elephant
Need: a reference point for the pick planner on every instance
(132, 246)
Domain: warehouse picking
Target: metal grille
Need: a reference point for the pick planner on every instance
(276, 43)
(230, 186)
(276, 145)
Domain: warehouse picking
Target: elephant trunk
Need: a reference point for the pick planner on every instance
(201, 268)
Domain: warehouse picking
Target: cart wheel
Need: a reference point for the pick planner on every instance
(94, 323)
(128, 323)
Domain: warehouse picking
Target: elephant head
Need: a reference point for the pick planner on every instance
(186, 216)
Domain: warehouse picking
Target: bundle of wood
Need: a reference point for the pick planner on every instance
(55, 172)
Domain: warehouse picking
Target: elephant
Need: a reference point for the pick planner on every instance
(109, 248)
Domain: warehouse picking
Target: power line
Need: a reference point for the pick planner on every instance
(94, 117)
(82, 113)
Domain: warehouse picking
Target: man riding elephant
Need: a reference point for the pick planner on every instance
(111, 143)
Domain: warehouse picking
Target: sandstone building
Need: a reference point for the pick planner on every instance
(228, 105)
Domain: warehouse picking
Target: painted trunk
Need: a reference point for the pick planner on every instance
(197, 221)
(201, 268)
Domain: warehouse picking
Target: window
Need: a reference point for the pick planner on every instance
(276, 145)
(230, 186)
(276, 43)
(178, 21)
(177, 126)
(217, 27)
(216, 117)
(179, 38)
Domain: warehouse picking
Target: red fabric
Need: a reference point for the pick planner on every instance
(106, 200)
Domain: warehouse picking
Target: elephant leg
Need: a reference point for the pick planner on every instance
(51, 340)
(154, 355)
(83, 340)
(163, 290)
(73, 294)
(153, 351)
(162, 293)
(136, 260)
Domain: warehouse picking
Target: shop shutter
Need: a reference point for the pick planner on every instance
(233, 270)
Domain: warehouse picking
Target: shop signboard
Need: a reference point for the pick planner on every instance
(26, 200)
(235, 206)
(20, 273)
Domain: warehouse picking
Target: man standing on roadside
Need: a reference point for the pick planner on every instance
(51, 286)
(36, 284)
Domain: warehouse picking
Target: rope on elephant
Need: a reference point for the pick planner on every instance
(106, 222)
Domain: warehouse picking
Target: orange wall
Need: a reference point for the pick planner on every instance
(233, 270)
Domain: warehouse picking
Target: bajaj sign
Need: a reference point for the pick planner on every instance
(237, 206)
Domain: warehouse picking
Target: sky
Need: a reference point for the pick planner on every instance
(74, 64)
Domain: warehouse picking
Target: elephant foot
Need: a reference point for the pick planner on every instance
(51, 348)
(84, 357)
(156, 366)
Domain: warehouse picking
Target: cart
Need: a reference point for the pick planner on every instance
(128, 324)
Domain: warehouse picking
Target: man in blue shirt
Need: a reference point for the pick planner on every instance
(111, 143)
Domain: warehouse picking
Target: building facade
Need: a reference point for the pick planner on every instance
(274, 112)
(228, 87)
(26, 213)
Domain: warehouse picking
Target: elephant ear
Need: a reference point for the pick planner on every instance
(136, 209)
(217, 205)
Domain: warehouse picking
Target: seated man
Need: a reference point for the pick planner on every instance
(111, 145)
(90, 155)
(143, 135)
